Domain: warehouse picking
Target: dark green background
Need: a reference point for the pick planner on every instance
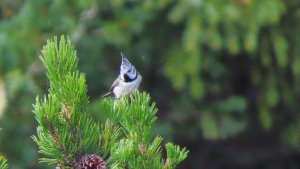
(225, 73)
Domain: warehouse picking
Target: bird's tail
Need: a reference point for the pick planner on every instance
(107, 94)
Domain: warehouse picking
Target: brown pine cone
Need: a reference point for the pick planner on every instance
(90, 161)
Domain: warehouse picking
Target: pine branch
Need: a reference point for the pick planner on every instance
(3, 163)
(138, 149)
(69, 137)
(66, 133)
(174, 155)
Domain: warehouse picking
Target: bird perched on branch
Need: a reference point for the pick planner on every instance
(127, 82)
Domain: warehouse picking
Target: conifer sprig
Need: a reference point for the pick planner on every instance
(138, 148)
(65, 131)
(3, 163)
(69, 137)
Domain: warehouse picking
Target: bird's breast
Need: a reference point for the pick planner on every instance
(126, 87)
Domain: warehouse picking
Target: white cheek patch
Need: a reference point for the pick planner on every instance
(131, 75)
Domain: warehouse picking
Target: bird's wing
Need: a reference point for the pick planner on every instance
(115, 83)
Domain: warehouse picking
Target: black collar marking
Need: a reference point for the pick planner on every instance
(127, 78)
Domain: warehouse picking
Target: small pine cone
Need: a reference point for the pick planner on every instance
(90, 161)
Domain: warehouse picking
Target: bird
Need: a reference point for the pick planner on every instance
(127, 82)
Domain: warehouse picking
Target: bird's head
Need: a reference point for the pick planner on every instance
(127, 71)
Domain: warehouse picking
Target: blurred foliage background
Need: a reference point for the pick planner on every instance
(225, 74)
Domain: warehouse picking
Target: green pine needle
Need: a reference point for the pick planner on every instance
(3, 162)
(175, 155)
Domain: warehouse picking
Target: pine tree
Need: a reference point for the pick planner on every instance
(68, 137)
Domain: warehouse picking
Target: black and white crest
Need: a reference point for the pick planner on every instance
(127, 70)
(125, 65)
